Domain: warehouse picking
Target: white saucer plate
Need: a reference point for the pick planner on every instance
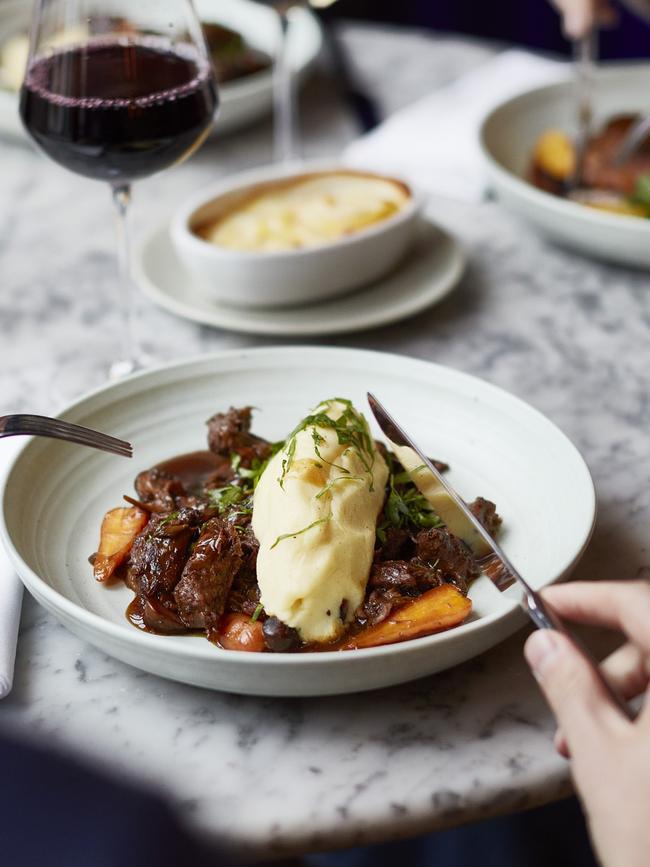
(498, 446)
(430, 271)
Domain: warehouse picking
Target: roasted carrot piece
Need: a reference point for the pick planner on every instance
(239, 632)
(437, 609)
(119, 529)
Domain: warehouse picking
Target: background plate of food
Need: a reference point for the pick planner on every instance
(528, 144)
(356, 585)
(242, 36)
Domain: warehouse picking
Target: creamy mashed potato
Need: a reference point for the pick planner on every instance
(314, 514)
(440, 501)
(308, 212)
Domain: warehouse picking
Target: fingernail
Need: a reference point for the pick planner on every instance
(540, 649)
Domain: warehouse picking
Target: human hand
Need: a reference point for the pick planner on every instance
(579, 16)
(610, 755)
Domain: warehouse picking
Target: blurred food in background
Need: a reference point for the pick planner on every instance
(231, 54)
(13, 61)
(620, 189)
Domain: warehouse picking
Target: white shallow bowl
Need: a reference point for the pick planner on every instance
(508, 136)
(55, 495)
(241, 101)
(292, 277)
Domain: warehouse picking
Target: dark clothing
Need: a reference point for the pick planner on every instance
(532, 23)
(56, 812)
(551, 836)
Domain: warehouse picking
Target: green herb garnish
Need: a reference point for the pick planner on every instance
(300, 532)
(351, 430)
(406, 507)
(328, 487)
(641, 194)
(228, 497)
(257, 612)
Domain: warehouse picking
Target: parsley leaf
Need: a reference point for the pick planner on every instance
(405, 508)
(641, 194)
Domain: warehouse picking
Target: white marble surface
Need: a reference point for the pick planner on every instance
(569, 335)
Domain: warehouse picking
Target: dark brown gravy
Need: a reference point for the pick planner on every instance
(195, 468)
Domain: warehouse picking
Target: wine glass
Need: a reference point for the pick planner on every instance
(115, 91)
(284, 95)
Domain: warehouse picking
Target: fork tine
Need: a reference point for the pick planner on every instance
(84, 439)
(90, 436)
(59, 429)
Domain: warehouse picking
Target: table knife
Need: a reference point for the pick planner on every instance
(466, 525)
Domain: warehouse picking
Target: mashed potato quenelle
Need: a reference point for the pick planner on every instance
(315, 513)
(308, 211)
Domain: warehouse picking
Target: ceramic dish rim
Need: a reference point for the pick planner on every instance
(546, 200)
(181, 232)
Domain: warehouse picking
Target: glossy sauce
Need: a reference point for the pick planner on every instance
(195, 468)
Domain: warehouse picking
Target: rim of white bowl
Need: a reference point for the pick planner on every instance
(541, 197)
(182, 233)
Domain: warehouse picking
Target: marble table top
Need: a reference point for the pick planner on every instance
(567, 334)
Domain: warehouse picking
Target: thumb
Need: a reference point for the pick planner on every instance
(577, 16)
(571, 687)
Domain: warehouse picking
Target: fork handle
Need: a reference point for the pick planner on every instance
(544, 617)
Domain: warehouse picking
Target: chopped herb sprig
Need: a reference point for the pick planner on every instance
(300, 532)
(406, 507)
(351, 429)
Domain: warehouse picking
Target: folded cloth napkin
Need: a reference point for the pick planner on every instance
(433, 143)
(11, 590)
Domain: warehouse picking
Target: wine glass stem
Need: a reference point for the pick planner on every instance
(127, 362)
(284, 96)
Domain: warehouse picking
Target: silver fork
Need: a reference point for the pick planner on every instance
(584, 58)
(42, 426)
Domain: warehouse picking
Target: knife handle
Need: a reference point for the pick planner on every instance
(544, 617)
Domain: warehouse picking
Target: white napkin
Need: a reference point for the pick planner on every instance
(11, 590)
(433, 143)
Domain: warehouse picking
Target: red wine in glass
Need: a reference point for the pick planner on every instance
(149, 108)
(117, 91)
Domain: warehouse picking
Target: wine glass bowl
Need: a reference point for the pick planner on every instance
(117, 91)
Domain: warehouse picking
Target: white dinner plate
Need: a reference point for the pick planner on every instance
(430, 271)
(508, 136)
(498, 446)
(241, 101)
